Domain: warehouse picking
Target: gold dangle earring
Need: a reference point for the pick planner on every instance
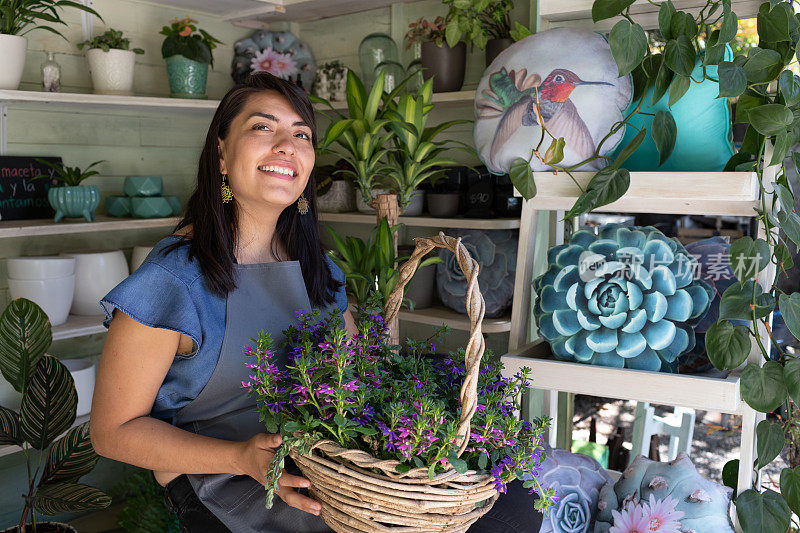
(302, 204)
(225, 190)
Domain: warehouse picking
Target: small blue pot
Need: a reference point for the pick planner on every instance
(187, 78)
(74, 202)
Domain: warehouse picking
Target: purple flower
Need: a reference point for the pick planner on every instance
(324, 388)
(351, 385)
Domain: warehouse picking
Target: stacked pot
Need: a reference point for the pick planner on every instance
(48, 281)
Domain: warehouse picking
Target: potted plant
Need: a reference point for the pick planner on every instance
(335, 193)
(67, 196)
(444, 61)
(15, 18)
(188, 55)
(331, 81)
(485, 24)
(415, 156)
(49, 401)
(111, 62)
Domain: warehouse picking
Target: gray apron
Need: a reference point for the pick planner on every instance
(267, 297)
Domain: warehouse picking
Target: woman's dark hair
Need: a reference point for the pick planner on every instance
(214, 224)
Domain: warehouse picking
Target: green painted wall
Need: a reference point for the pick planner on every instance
(165, 143)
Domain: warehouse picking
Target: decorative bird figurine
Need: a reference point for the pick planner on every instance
(514, 95)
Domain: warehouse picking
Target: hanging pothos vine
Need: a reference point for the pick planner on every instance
(769, 100)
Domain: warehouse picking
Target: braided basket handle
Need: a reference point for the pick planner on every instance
(475, 309)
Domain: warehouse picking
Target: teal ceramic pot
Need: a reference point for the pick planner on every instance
(74, 202)
(118, 206)
(187, 78)
(150, 207)
(175, 204)
(143, 186)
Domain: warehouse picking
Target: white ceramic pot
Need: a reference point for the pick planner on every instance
(362, 206)
(415, 205)
(340, 198)
(53, 295)
(9, 398)
(42, 267)
(112, 71)
(96, 273)
(12, 60)
(138, 256)
(83, 372)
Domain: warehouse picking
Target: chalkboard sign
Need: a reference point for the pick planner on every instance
(22, 197)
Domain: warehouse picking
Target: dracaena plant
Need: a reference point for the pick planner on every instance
(65, 176)
(111, 39)
(16, 16)
(49, 403)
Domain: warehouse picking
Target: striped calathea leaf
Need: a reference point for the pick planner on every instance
(62, 497)
(49, 403)
(9, 427)
(71, 457)
(25, 334)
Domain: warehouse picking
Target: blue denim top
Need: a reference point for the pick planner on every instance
(170, 292)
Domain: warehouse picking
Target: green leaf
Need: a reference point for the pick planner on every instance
(340, 420)
(732, 80)
(770, 119)
(453, 33)
(679, 55)
(678, 87)
(790, 87)
(682, 24)
(483, 460)
(784, 257)
(765, 512)
(25, 334)
(458, 464)
(9, 427)
(662, 83)
(522, 178)
(770, 440)
(605, 187)
(790, 224)
(402, 468)
(555, 152)
(762, 65)
(71, 457)
(772, 23)
(665, 12)
(790, 311)
(54, 498)
(730, 474)
(628, 151)
(714, 55)
(628, 45)
(790, 488)
(791, 377)
(730, 25)
(49, 403)
(736, 300)
(664, 133)
(762, 387)
(605, 9)
(748, 257)
(727, 345)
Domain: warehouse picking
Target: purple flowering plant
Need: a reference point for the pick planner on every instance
(364, 394)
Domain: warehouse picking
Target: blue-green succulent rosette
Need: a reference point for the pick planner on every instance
(627, 297)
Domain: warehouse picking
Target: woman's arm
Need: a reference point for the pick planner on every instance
(350, 323)
(133, 365)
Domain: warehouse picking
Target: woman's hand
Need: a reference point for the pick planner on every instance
(255, 455)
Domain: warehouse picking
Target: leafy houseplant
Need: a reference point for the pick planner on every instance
(49, 401)
(188, 55)
(484, 23)
(15, 18)
(441, 60)
(67, 196)
(111, 62)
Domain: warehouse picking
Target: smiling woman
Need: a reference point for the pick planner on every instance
(246, 257)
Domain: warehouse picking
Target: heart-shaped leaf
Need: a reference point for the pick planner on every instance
(555, 152)
(770, 119)
(664, 133)
(679, 55)
(682, 23)
(748, 257)
(770, 440)
(54, 498)
(772, 23)
(791, 377)
(790, 311)
(71, 457)
(736, 300)
(727, 345)
(790, 488)
(25, 334)
(762, 65)
(605, 9)
(762, 387)
(678, 87)
(607, 186)
(730, 474)
(49, 403)
(522, 178)
(662, 82)
(732, 80)
(628, 44)
(765, 512)
(730, 24)
(665, 12)
(790, 87)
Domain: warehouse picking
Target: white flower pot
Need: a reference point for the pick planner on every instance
(83, 372)
(12, 60)
(112, 71)
(96, 273)
(53, 295)
(138, 256)
(40, 267)
(340, 198)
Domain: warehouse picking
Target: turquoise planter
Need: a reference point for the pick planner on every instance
(187, 78)
(151, 207)
(74, 202)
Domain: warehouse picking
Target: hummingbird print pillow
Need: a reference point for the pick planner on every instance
(565, 78)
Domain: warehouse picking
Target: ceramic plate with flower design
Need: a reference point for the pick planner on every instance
(278, 52)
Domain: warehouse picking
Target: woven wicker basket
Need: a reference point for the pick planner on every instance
(360, 493)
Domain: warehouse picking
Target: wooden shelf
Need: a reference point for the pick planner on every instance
(695, 391)
(427, 221)
(35, 227)
(695, 193)
(8, 449)
(79, 326)
(438, 315)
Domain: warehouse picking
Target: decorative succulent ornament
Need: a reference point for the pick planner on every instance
(577, 479)
(278, 52)
(704, 504)
(625, 298)
(496, 253)
(713, 258)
